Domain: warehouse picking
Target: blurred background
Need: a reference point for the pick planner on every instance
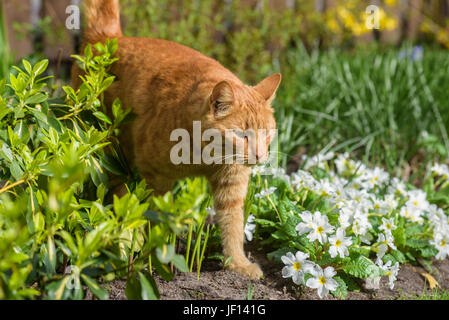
(381, 94)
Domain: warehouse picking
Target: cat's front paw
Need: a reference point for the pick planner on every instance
(250, 270)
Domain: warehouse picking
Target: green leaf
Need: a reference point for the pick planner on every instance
(57, 290)
(27, 66)
(40, 67)
(166, 253)
(362, 267)
(39, 116)
(133, 289)
(149, 287)
(96, 289)
(37, 98)
(162, 269)
(399, 256)
(342, 290)
(180, 263)
(277, 254)
(100, 115)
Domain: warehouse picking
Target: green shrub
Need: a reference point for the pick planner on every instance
(59, 233)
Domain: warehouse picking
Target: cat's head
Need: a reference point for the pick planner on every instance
(244, 116)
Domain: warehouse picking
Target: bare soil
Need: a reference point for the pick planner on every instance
(218, 284)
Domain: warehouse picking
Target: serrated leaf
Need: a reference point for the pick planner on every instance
(362, 267)
(342, 290)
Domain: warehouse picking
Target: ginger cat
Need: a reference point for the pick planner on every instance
(168, 86)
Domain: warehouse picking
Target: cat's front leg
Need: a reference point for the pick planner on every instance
(229, 190)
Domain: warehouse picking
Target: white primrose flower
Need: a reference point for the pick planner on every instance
(397, 186)
(366, 238)
(360, 198)
(343, 163)
(439, 220)
(380, 205)
(387, 239)
(384, 240)
(376, 177)
(320, 228)
(380, 252)
(210, 211)
(361, 224)
(307, 224)
(317, 160)
(440, 170)
(296, 266)
(280, 173)
(303, 179)
(345, 217)
(388, 225)
(413, 213)
(326, 188)
(391, 201)
(257, 170)
(339, 182)
(392, 271)
(441, 242)
(339, 244)
(250, 227)
(417, 199)
(322, 280)
(265, 192)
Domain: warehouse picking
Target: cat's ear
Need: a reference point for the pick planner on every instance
(267, 87)
(222, 99)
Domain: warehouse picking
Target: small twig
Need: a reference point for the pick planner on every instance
(277, 212)
(6, 187)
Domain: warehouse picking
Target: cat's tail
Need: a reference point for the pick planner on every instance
(102, 20)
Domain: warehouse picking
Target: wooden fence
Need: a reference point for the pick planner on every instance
(59, 41)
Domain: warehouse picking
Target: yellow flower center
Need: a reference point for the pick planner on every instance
(297, 266)
(443, 243)
(322, 280)
(376, 206)
(415, 203)
(388, 226)
(337, 243)
(319, 229)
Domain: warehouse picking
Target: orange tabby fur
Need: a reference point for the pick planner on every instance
(168, 86)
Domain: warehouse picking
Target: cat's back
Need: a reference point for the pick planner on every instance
(155, 69)
(165, 57)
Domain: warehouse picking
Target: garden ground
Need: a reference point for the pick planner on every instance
(218, 284)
